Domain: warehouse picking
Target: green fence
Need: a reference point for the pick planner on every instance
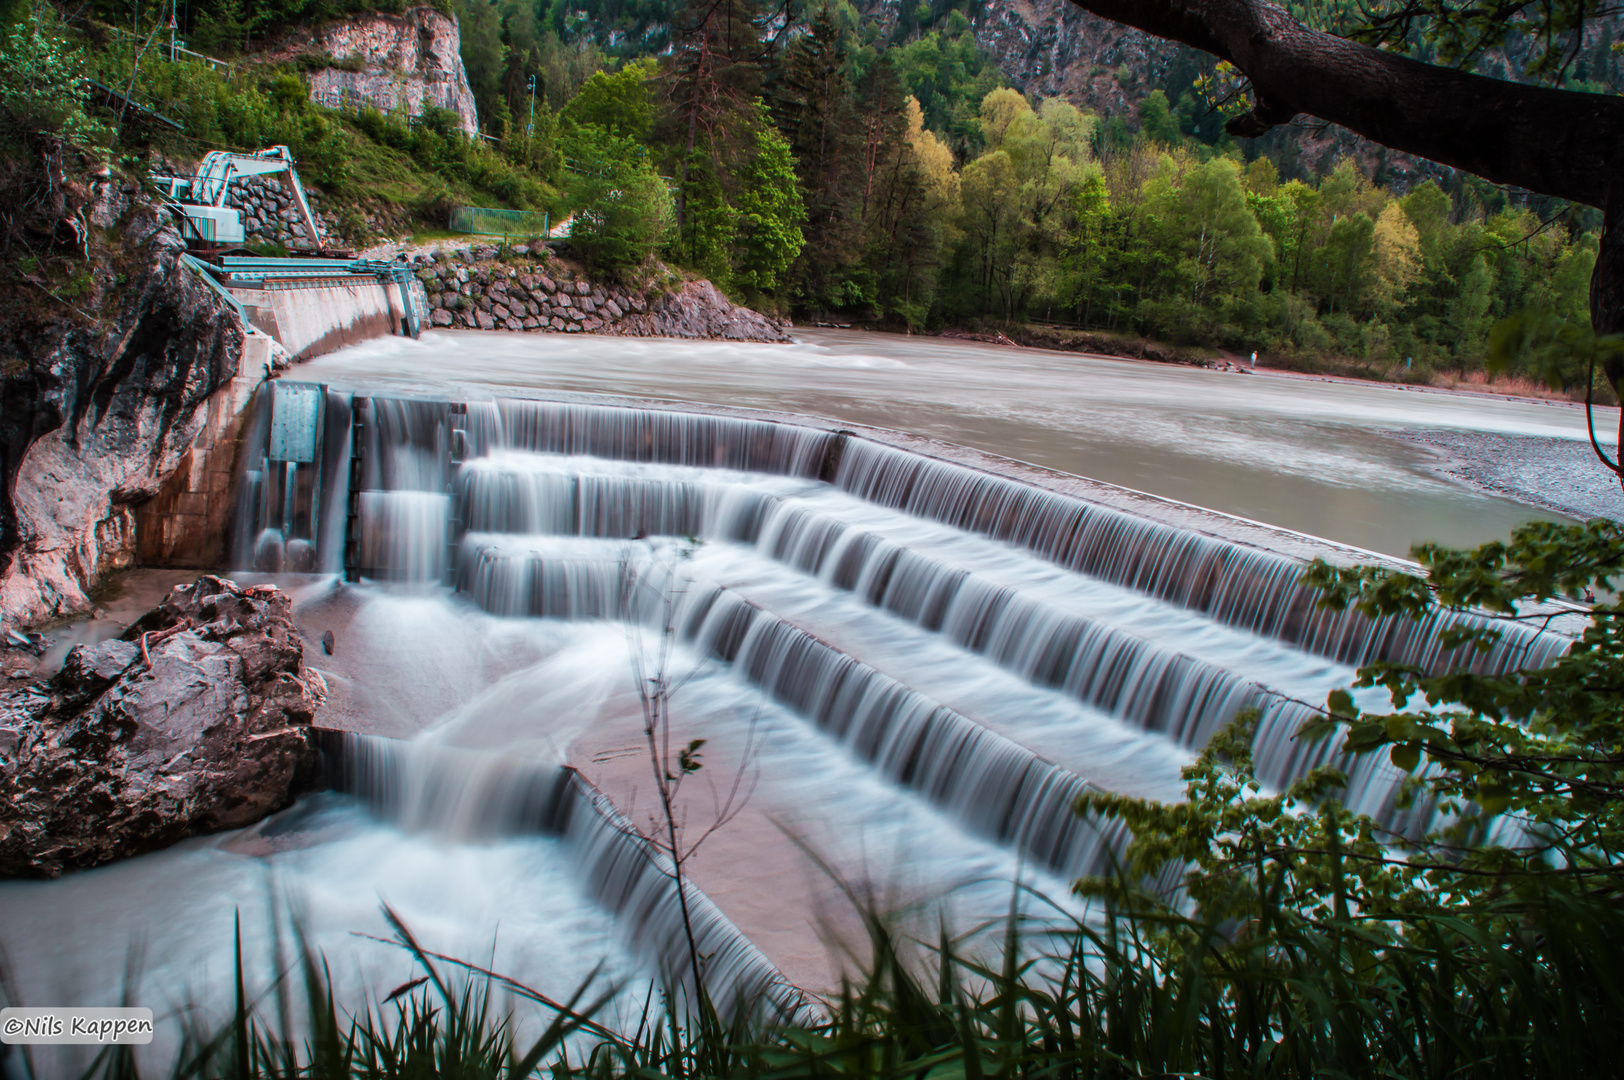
(487, 221)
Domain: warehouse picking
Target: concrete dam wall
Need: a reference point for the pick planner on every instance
(312, 316)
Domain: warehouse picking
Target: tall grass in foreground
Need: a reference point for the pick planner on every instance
(1467, 995)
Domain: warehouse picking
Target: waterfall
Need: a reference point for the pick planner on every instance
(860, 588)
(469, 794)
(1240, 586)
(401, 535)
(650, 435)
(293, 481)
(605, 472)
(992, 785)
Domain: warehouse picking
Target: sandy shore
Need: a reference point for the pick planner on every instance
(1561, 475)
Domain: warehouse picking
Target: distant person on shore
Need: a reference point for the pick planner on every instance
(1254, 358)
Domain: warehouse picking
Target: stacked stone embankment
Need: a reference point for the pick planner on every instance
(532, 289)
(270, 214)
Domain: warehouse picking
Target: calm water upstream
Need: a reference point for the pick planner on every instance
(1298, 453)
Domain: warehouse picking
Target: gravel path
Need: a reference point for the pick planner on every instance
(1554, 474)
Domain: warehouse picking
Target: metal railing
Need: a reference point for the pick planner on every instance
(490, 221)
(176, 50)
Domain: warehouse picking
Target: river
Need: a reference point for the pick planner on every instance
(1300, 453)
(909, 700)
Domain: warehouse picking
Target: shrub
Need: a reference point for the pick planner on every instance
(42, 82)
(623, 209)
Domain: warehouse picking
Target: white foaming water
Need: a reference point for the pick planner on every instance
(327, 865)
(824, 533)
(403, 534)
(911, 667)
(1114, 637)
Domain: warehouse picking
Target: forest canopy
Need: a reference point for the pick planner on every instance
(809, 161)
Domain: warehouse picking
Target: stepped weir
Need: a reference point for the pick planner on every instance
(978, 644)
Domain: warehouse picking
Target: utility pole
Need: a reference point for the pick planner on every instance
(528, 128)
(172, 4)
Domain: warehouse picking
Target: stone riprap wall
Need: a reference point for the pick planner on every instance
(535, 290)
(270, 215)
(393, 63)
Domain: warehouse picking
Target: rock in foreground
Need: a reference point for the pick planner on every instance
(122, 753)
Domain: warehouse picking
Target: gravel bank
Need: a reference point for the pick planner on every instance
(1554, 474)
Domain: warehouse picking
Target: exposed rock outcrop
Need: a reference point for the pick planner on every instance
(109, 352)
(196, 720)
(533, 290)
(393, 63)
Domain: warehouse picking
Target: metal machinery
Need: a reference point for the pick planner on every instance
(289, 478)
(199, 201)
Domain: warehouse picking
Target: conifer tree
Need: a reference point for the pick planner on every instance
(816, 110)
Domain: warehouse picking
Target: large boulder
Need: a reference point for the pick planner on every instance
(196, 720)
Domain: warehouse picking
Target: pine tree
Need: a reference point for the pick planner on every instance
(711, 86)
(816, 108)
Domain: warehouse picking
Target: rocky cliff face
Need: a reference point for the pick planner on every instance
(195, 721)
(391, 62)
(535, 290)
(109, 351)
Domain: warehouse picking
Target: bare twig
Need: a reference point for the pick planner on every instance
(656, 686)
(153, 637)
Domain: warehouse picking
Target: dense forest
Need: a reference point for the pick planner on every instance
(811, 163)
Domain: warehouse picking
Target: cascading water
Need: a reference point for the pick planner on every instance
(479, 795)
(922, 664)
(1170, 632)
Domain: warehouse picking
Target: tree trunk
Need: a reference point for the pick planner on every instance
(1607, 312)
(1555, 142)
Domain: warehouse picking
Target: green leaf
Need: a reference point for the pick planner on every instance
(1493, 797)
(1340, 703)
(1406, 755)
(1316, 729)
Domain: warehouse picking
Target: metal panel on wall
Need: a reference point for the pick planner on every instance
(295, 422)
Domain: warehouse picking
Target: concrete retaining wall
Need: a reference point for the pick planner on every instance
(312, 316)
(188, 521)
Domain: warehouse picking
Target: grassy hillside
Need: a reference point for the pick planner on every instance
(361, 163)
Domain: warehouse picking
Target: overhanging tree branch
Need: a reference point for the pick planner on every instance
(1556, 142)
